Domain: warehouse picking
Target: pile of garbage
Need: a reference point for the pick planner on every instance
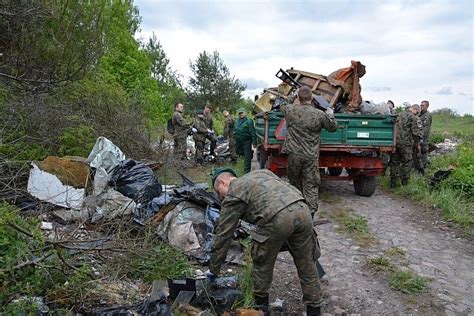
(107, 186)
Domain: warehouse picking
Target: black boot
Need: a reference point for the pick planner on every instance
(261, 303)
(313, 311)
(393, 182)
(404, 181)
(421, 171)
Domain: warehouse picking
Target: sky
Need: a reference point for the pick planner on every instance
(412, 50)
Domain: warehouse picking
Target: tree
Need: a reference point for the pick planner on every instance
(212, 83)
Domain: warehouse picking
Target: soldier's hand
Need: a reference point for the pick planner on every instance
(194, 130)
(330, 112)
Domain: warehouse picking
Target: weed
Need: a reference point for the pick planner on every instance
(162, 262)
(246, 284)
(327, 197)
(355, 225)
(408, 282)
(381, 264)
(395, 252)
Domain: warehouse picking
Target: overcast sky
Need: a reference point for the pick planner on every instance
(412, 50)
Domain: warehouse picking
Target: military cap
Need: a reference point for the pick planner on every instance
(220, 170)
(241, 110)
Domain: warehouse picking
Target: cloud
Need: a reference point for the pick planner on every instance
(406, 53)
(253, 83)
(378, 89)
(445, 91)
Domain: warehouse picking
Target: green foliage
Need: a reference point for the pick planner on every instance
(353, 224)
(212, 84)
(381, 263)
(408, 282)
(30, 267)
(77, 141)
(246, 284)
(163, 262)
(448, 124)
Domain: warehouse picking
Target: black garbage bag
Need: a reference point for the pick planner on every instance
(135, 180)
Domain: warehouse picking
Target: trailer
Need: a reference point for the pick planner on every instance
(357, 146)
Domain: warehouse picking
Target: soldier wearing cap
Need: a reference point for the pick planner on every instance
(229, 133)
(281, 217)
(181, 131)
(245, 137)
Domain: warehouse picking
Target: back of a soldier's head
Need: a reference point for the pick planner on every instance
(415, 108)
(305, 94)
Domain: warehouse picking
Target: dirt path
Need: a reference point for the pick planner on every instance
(351, 286)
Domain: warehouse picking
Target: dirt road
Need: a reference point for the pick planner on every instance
(427, 247)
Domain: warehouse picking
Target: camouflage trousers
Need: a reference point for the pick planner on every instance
(291, 226)
(303, 173)
(421, 157)
(180, 147)
(232, 152)
(401, 162)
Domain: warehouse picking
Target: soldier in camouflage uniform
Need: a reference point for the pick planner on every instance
(304, 123)
(281, 217)
(199, 124)
(408, 135)
(421, 157)
(229, 133)
(210, 127)
(181, 130)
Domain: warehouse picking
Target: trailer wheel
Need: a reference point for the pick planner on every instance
(335, 171)
(365, 186)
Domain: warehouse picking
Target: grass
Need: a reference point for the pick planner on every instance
(404, 281)
(408, 282)
(446, 125)
(355, 225)
(327, 197)
(246, 284)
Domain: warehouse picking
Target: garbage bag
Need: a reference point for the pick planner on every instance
(135, 180)
(369, 107)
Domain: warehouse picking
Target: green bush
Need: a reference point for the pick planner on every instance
(77, 141)
(163, 262)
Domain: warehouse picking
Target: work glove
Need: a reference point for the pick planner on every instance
(330, 112)
(210, 131)
(210, 278)
(194, 130)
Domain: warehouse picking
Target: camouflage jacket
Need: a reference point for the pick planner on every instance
(199, 123)
(181, 128)
(208, 120)
(303, 126)
(244, 129)
(426, 119)
(256, 198)
(409, 129)
(229, 127)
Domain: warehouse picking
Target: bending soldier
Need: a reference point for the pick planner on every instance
(281, 217)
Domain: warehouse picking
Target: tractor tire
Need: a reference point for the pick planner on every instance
(335, 171)
(365, 186)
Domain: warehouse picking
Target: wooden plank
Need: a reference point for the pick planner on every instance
(316, 85)
(336, 96)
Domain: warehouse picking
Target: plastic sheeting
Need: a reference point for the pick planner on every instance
(103, 157)
(47, 187)
(369, 107)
